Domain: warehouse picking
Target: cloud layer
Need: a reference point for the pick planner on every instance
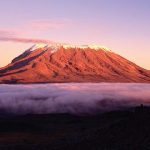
(74, 98)
(25, 40)
(19, 34)
(13, 36)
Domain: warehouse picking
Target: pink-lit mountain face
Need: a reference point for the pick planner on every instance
(67, 63)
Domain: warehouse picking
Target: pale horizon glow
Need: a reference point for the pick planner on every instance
(122, 26)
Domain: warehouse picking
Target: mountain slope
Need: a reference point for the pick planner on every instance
(71, 64)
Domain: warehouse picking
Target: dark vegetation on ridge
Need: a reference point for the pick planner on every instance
(120, 130)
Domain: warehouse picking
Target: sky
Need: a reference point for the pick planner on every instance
(121, 25)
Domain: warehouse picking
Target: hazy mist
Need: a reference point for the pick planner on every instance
(74, 98)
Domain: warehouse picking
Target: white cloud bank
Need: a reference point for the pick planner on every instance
(72, 97)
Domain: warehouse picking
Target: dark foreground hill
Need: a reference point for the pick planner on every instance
(123, 130)
(71, 64)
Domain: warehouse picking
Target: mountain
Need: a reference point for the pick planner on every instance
(69, 63)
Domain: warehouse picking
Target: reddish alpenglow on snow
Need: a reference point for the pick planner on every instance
(71, 63)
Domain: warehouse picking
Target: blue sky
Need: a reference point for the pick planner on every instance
(122, 25)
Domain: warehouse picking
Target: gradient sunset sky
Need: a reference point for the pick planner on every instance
(121, 25)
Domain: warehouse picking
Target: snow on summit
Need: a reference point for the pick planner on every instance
(67, 46)
(37, 46)
(93, 46)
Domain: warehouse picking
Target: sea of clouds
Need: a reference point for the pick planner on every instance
(74, 98)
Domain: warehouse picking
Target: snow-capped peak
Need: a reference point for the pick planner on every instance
(92, 46)
(56, 46)
(37, 46)
(97, 47)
